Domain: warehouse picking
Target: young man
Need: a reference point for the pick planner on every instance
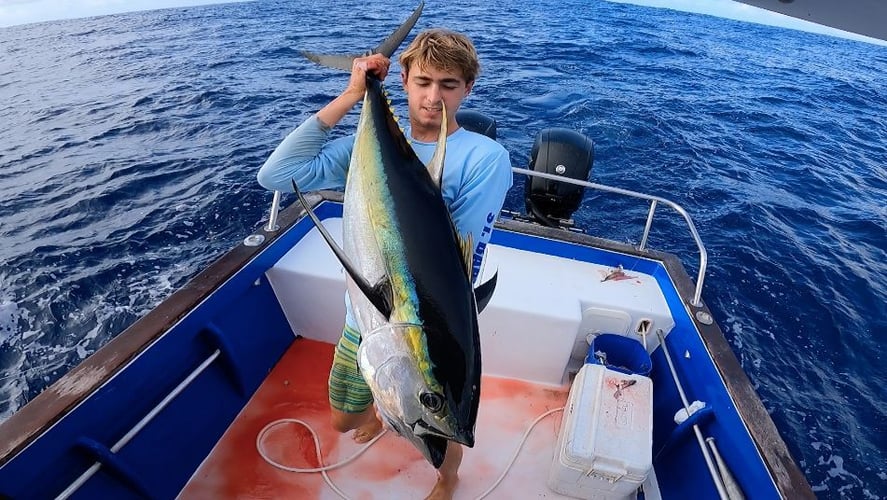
(439, 67)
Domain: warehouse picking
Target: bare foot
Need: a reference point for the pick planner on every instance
(366, 432)
(444, 489)
(448, 474)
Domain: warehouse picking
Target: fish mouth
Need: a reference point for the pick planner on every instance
(465, 437)
(422, 428)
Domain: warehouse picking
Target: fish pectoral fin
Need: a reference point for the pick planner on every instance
(484, 292)
(378, 295)
(382, 297)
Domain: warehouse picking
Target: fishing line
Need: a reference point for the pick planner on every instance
(323, 468)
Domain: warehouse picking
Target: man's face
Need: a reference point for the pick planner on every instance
(426, 89)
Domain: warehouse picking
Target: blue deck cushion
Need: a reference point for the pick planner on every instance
(619, 353)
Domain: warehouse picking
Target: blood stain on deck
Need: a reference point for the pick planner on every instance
(392, 468)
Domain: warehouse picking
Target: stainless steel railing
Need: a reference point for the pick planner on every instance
(141, 424)
(654, 201)
(272, 217)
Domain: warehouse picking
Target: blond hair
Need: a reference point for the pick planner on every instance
(444, 50)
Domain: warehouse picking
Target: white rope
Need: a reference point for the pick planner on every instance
(517, 451)
(260, 438)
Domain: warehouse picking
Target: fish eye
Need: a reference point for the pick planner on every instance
(432, 401)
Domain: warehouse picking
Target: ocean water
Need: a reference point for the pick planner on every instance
(129, 146)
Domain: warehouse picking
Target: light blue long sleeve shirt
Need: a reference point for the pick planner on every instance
(476, 177)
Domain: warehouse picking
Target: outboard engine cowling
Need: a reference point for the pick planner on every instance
(476, 121)
(560, 152)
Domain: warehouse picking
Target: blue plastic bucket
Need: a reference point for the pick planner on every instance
(619, 353)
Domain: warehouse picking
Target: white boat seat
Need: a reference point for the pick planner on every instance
(535, 327)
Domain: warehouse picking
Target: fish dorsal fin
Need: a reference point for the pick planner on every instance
(466, 245)
(483, 293)
(378, 295)
(387, 47)
(436, 165)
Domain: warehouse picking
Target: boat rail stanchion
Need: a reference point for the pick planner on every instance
(272, 215)
(647, 227)
(715, 476)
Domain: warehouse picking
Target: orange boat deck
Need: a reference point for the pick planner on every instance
(391, 468)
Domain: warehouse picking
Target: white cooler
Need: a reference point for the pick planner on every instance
(605, 445)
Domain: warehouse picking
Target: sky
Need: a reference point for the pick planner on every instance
(13, 12)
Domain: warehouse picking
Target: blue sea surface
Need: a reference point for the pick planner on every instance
(129, 146)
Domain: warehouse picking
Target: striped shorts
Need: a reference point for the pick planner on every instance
(349, 392)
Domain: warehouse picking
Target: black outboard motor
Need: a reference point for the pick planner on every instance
(565, 153)
(476, 121)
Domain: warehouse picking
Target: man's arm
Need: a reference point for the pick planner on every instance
(333, 112)
(304, 155)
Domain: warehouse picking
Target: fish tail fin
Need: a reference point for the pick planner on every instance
(387, 47)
